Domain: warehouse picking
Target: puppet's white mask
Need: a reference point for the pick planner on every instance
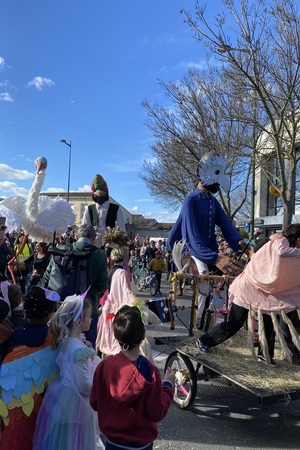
(211, 170)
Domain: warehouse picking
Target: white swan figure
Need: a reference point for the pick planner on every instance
(40, 215)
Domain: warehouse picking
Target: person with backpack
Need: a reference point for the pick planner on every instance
(89, 266)
(102, 213)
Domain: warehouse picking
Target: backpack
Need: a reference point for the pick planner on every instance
(68, 275)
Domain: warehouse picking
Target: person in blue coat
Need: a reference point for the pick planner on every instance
(200, 214)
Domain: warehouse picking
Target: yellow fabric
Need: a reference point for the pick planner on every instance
(157, 265)
(25, 253)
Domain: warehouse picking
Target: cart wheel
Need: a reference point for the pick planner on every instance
(153, 286)
(140, 284)
(186, 379)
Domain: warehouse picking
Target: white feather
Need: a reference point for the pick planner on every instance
(13, 220)
(15, 204)
(177, 253)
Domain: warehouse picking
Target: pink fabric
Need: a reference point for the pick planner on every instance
(271, 280)
(120, 295)
(103, 298)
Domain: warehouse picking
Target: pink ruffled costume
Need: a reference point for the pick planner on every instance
(271, 280)
(120, 295)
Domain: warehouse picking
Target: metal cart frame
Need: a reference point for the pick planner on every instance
(190, 366)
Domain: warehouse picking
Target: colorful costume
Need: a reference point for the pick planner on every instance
(66, 420)
(270, 281)
(24, 376)
(120, 294)
(269, 284)
(121, 392)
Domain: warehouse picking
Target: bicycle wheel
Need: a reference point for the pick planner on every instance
(140, 284)
(185, 379)
(134, 278)
(153, 286)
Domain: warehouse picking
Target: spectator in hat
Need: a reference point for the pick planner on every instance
(96, 273)
(102, 213)
(157, 265)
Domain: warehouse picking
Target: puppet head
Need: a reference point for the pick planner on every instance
(211, 172)
(40, 163)
(99, 190)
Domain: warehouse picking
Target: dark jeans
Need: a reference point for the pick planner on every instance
(34, 281)
(22, 278)
(91, 335)
(3, 269)
(158, 277)
(237, 316)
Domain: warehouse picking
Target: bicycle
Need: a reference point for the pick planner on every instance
(138, 270)
(148, 281)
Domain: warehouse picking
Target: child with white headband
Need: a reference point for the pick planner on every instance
(66, 419)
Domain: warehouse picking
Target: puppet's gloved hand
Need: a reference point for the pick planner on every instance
(229, 266)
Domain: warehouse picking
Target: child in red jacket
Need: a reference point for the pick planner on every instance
(127, 392)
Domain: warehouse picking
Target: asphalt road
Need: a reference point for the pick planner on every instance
(223, 416)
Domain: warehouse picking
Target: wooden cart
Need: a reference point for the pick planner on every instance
(232, 359)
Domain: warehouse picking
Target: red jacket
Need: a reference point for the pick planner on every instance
(128, 405)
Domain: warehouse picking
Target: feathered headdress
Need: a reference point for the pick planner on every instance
(115, 238)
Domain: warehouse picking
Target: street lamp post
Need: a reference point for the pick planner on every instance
(69, 144)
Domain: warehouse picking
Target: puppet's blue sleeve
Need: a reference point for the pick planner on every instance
(175, 233)
(231, 235)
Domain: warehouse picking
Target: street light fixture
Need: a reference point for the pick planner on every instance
(69, 144)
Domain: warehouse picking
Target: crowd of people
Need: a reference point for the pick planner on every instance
(115, 390)
(87, 332)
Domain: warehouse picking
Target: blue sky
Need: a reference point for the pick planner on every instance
(79, 71)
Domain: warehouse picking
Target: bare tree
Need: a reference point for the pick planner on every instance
(258, 44)
(198, 120)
